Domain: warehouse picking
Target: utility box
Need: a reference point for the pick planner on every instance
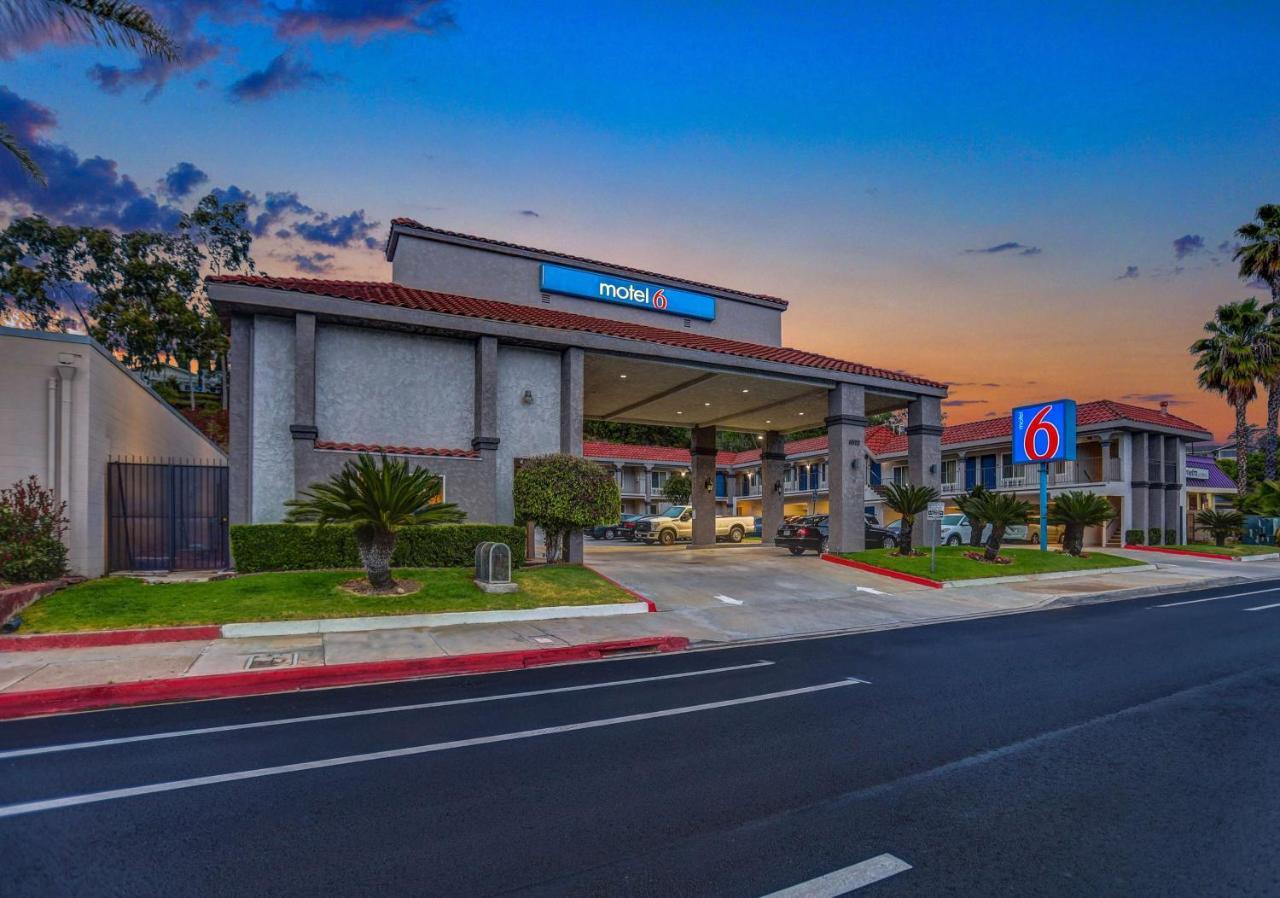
(493, 568)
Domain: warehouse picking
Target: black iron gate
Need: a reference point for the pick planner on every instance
(167, 516)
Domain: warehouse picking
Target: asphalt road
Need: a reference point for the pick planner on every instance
(1122, 749)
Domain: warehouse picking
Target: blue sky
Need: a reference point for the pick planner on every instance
(855, 158)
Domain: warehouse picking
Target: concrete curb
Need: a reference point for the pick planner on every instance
(145, 692)
(1140, 592)
(40, 642)
(1215, 555)
(884, 571)
(14, 598)
(984, 581)
(639, 597)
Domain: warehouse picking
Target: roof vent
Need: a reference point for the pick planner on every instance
(1164, 407)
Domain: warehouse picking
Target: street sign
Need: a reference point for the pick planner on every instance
(1044, 433)
(936, 511)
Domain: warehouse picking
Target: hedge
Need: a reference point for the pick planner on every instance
(294, 547)
(1135, 537)
(1155, 536)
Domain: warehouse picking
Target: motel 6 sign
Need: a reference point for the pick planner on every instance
(1044, 432)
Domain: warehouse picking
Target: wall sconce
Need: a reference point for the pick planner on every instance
(777, 486)
(853, 465)
(933, 469)
(708, 485)
(527, 398)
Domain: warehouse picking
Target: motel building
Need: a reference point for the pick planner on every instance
(1134, 456)
(480, 353)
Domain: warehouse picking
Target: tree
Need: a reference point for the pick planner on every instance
(376, 496)
(562, 494)
(1220, 523)
(970, 504)
(908, 500)
(1259, 259)
(1076, 510)
(1001, 511)
(1242, 348)
(140, 294)
(104, 22)
(678, 489)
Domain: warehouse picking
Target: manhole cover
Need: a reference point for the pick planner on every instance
(267, 660)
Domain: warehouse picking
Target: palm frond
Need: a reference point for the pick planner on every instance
(112, 23)
(10, 143)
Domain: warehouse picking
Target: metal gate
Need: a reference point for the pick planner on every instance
(167, 516)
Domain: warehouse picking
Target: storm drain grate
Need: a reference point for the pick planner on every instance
(268, 660)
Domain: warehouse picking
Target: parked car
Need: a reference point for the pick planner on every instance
(676, 523)
(812, 532)
(610, 531)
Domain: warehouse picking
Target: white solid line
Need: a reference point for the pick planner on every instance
(1235, 595)
(1263, 607)
(287, 721)
(730, 600)
(846, 880)
(31, 807)
(874, 592)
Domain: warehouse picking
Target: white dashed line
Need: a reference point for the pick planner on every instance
(847, 879)
(1263, 607)
(730, 600)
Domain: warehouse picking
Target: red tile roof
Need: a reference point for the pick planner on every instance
(419, 226)
(631, 452)
(396, 450)
(390, 294)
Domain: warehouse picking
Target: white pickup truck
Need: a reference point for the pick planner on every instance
(676, 523)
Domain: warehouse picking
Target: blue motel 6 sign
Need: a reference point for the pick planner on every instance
(624, 292)
(1044, 432)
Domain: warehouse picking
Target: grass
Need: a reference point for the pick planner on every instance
(121, 602)
(952, 565)
(1234, 549)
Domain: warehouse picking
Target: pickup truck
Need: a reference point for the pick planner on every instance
(677, 523)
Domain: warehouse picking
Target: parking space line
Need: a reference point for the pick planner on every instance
(366, 712)
(730, 600)
(1263, 607)
(68, 801)
(1234, 595)
(847, 879)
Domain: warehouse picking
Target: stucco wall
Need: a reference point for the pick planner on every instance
(272, 446)
(449, 268)
(527, 429)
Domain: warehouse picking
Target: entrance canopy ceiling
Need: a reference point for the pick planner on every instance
(618, 388)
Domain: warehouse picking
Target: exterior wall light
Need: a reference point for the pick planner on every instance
(527, 398)
(708, 485)
(777, 486)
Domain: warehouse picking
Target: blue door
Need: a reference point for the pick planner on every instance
(970, 472)
(989, 471)
(875, 473)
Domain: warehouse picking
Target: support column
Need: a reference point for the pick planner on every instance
(1175, 491)
(924, 456)
(648, 487)
(1155, 492)
(846, 475)
(571, 425)
(1138, 483)
(303, 429)
(484, 435)
(239, 372)
(773, 464)
(703, 450)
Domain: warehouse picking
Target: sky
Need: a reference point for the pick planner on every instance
(1027, 201)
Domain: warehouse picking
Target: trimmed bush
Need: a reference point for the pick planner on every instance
(32, 522)
(1154, 536)
(298, 547)
(1134, 537)
(1171, 537)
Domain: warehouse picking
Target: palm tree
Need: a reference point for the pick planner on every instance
(1259, 258)
(970, 504)
(110, 23)
(1242, 348)
(908, 500)
(1077, 510)
(1220, 523)
(1001, 511)
(376, 497)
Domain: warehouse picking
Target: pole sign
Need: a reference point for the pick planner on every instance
(624, 292)
(936, 510)
(1044, 432)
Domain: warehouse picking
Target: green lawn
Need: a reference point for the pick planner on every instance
(952, 565)
(121, 602)
(1234, 549)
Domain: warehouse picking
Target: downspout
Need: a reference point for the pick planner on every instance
(66, 373)
(51, 434)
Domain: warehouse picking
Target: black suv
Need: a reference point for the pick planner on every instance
(811, 533)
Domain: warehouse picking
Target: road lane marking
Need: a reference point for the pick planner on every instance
(366, 712)
(874, 592)
(729, 600)
(1263, 607)
(1235, 595)
(848, 879)
(50, 804)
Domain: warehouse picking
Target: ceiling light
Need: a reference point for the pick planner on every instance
(679, 413)
(746, 390)
(623, 376)
(802, 414)
(768, 420)
(706, 403)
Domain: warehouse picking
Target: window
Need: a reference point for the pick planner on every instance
(949, 471)
(900, 474)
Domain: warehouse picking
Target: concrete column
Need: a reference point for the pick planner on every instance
(303, 429)
(571, 425)
(1138, 483)
(1155, 492)
(1175, 492)
(648, 487)
(846, 477)
(240, 419)
(924, 456)
(703, 450)
(773, 462)
(484, 435)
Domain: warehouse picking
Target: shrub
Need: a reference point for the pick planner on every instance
(1171, 537)
(1154, 536)
(1134, 537)
(296, 547)
(678, 489)
(1221, 523)
(564, 493)
(32, 522)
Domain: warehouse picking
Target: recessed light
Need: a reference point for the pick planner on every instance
(768, 420)
(679, 413)
(706, 403)
(802, 414)
(746, 390)
(623, 376)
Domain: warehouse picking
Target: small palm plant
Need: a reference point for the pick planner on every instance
(1076, 510)
(376, 497)
(1221, 523)
(908, 500)
(1001, 511)
(970, 505)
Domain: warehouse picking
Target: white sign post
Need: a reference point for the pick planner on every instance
(935, 513)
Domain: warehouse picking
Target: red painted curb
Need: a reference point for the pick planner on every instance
(627, 589)
(40, 641)
(1183, 552)
(14, 598)
(883, 571)
(145, 692)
